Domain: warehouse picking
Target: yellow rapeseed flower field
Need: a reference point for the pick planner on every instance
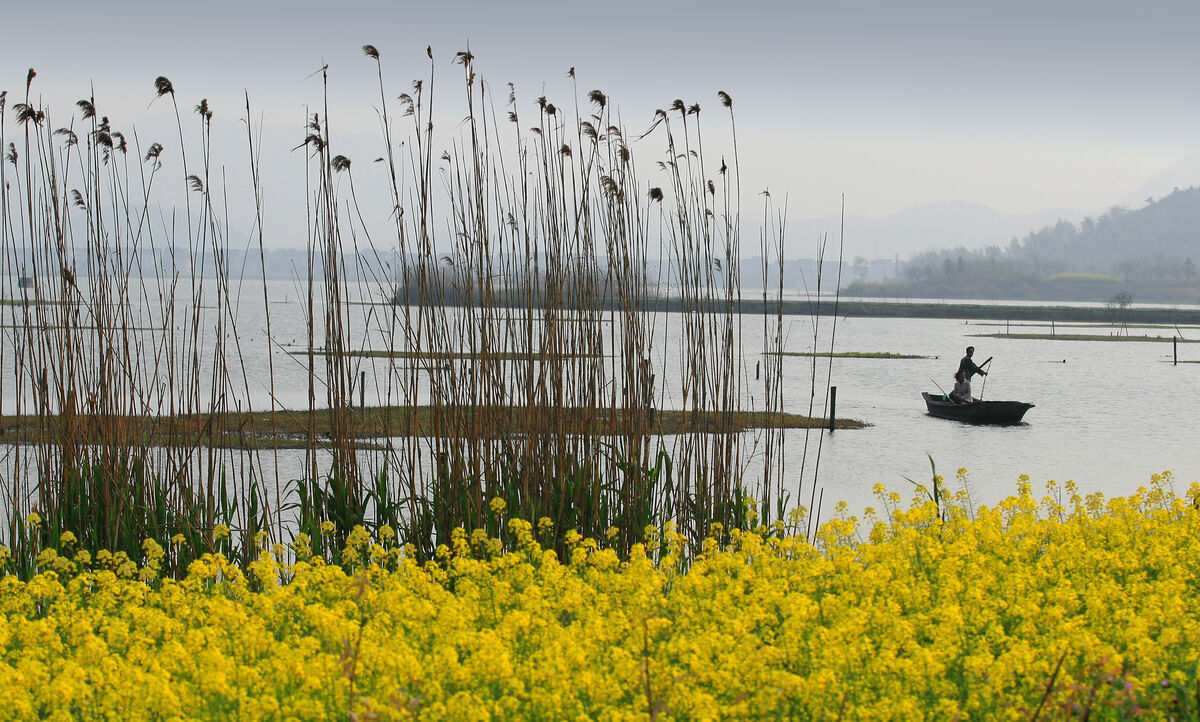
(1048, 607)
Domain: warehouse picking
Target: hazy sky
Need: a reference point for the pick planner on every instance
(1017, 105)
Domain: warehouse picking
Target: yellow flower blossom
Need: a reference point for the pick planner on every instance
(958, 612)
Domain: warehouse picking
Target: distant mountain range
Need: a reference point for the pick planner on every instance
(921, 228)
(1183, 173)
(1149, 253)
(961, 224)
(1162, 233)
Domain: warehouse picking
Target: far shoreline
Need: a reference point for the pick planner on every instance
(917, 308)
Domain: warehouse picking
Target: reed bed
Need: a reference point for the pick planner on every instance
(522, 253)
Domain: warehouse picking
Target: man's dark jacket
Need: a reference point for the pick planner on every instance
(969, 367)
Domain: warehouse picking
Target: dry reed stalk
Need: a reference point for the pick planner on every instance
(98, 339)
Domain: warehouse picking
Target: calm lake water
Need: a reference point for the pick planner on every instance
(1108, 415)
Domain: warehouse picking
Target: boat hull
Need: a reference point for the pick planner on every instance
(978, 412)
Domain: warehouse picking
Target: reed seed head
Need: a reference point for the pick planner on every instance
(162, 87)
(203, 111)
(69, 134)
(314, 140)
(26, 114)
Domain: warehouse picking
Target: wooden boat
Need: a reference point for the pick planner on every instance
(977, 412)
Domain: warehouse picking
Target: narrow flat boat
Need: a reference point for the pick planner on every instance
(976, 412)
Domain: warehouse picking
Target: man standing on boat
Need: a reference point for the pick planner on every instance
(967, 365)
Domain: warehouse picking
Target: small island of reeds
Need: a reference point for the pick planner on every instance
(851, 354)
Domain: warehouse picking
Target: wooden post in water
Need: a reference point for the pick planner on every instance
(362, 394)
(832, 406)
(1175, 350)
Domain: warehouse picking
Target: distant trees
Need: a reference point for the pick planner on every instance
(1149, 250)
(1119, 304)
(1163, 231)
(861, 267)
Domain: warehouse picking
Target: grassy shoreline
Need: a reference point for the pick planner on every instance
(290, 429)
(447, 355)
(850, 354)
(1083, 337)
(967, 311)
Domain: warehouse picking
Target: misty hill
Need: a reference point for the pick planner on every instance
(1183, 173)
(1163, 233)
(1149, 253)
(921, 228)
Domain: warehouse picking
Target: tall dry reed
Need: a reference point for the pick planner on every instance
(523, 255)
